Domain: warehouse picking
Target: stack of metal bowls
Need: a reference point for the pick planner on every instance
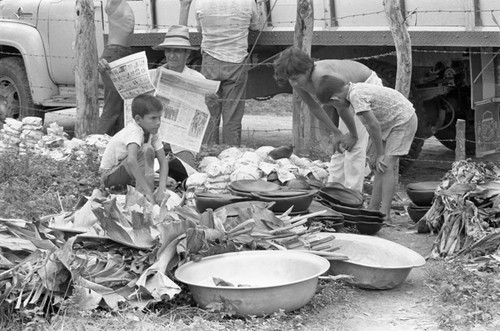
(297, 200)
(246, 187)
(421, 195)
(349, 204)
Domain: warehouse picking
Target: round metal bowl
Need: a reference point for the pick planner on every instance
(253, 185)
(421, 193)
(341, 196)
(374, 263)
(282, 203)
(204, 201)
(417, 212)
(368, 228)
(268, 280)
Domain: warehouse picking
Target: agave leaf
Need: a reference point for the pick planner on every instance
(141, 230)
(54, 275)
(154, 281)
(111, 224)
(85, 298)
(195, 240)
(90, 294)
(16, 244)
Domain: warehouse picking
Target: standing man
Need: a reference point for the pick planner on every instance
(121, 22)
(303, 73)
(224, 26)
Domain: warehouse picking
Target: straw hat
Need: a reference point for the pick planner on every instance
(176, 37)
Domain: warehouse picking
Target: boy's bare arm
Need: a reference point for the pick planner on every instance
(317, 111)
(373, 127)
(162, 160)
(136, 172)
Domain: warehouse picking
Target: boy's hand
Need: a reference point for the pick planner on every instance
(103, 66)
(348, 141)
(159, 195)
(379, 165)
(336, 140)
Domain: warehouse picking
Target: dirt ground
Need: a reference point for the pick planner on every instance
(405, 307)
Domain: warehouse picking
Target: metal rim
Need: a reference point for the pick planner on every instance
(323, 264)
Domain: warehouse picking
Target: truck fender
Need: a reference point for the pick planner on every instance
(27, 40)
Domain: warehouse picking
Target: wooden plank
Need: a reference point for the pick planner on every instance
(86, 74)
(460, 140)
(303, 122)
(403, 46)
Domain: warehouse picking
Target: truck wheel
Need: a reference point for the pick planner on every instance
(447, 134)
(15, 88)
(387, 73)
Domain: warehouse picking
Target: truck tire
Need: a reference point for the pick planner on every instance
(15, 88)
(447, 135)
(387, 73)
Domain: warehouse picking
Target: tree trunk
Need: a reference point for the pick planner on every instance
(86, 74)
(304, 125)
(403, 45)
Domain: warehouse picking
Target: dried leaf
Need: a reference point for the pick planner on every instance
(16, 244)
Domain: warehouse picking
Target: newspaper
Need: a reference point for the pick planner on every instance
(185, 114)
(130, 75)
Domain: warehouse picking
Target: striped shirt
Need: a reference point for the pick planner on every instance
(224, 26)
(390, 107)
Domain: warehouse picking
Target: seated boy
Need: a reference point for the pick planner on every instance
(129, 156)
(391, 122)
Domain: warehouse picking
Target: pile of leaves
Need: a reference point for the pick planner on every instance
(112, 254)
(466, 211)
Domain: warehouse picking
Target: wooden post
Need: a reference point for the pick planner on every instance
(403, 45)
(303, 121)
(86, 74)
(460, 140)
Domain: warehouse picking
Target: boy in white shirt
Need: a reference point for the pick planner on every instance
(129, 156)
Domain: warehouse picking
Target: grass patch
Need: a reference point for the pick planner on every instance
(465, 297)
(32, 186)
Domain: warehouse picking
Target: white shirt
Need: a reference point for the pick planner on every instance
(224, 26)
(116, 150)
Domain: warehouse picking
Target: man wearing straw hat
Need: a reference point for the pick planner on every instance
(177, 47)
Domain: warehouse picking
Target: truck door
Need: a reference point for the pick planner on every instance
(21, 10)
(61, 37)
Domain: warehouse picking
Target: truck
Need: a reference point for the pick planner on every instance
(455, 43)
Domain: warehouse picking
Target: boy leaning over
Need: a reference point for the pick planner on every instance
(129, 156)
(391, 122)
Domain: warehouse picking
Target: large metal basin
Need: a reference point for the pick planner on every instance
(273, 280)
(374, 263)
